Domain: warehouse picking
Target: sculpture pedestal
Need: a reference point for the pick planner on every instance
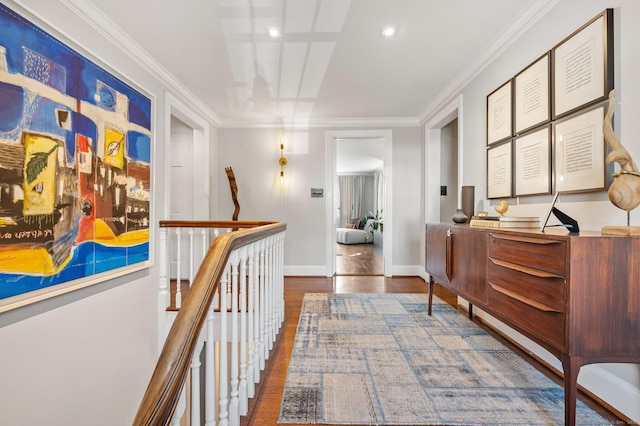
(620, 230)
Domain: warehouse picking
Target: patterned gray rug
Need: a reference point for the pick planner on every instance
(380, 359)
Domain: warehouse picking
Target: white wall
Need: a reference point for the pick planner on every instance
(85, 358)
(618, 385)
(254, 153)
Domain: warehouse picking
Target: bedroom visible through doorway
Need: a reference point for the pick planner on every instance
(358, 259)
(359, 200)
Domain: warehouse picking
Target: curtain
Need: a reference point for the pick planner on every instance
(351, 190)
(378, 196)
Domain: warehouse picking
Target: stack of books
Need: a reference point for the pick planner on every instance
(505, 221)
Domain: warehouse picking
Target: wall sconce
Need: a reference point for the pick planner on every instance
(282, 161)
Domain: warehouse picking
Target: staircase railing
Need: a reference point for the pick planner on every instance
(238, 291)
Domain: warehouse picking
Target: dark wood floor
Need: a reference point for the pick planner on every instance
(358, 259)
(265, 407)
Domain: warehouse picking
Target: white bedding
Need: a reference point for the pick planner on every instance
(355, 236)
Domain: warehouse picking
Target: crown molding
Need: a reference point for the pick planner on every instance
(518, 27)
(112, 32)
(360, 122)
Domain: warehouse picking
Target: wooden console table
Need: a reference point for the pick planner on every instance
(578, 296)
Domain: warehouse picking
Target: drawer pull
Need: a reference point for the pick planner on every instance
(525, 239)
(523, 299)
(524, 269)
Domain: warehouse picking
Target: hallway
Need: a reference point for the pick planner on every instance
(265, 407)
(358, 259)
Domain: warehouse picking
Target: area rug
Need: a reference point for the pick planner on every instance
(380, 359)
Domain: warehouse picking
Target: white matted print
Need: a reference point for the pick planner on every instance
(499, 114)
(583, 65)
(531, 95)
(499, 171)
(532, 163)
(579, 152)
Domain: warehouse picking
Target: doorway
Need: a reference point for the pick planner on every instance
(187, 162)
(449, 170)
(359, 139)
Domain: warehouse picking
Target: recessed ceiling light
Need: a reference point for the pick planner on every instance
(388, 31)
(274, 32)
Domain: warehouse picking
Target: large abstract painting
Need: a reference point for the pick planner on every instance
(75, 158)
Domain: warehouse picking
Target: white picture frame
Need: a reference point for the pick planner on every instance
(499, 178)
(499, 114)
(532, 163)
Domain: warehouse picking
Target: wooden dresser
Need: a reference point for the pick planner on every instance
(578, 296)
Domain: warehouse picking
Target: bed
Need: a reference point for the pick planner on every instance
(356, 236)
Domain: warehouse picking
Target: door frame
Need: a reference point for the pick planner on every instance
(200, 157)
(332, 138)
(433, 147)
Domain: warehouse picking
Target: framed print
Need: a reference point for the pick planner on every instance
(531, 96)
(499, 114)
(579, 152)
(75, 175)
(583, 66)
(532, 162)
(499, 171)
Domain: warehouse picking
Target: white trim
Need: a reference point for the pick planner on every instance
(432, 156)
(362, 122)
(524, 21)
(387, 245)
(112, 32)
(175, 107)
(408, 271)
(104, 25)
(305, 271)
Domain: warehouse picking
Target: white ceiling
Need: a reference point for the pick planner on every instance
(356, 155)
(331, 66)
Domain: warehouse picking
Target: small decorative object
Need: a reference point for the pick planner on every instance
(624, 192)
(234, 191)
(502, 207)
(467, 200)
(460, 217)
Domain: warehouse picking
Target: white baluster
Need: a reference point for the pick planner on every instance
(180, 408)
(164, 295)
(224, 361)
(178, 267)
(269, 297)
(275, 300)
(280, 240)
(262, 297)
(251, 389)
(242, 389)
(195, 382)
(192, 258)
(234, 413)
(204, 244)
(210, 368)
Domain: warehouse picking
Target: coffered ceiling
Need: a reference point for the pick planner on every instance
(330, 66)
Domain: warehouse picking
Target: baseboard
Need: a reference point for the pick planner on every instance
(407, 270)
(314, 271)
(304, 271)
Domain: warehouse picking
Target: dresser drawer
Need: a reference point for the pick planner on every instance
(525, 314)
(541, 289)
(539, 253)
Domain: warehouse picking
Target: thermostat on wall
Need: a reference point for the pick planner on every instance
(317, 192)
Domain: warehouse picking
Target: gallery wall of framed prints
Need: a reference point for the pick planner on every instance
(548, 118)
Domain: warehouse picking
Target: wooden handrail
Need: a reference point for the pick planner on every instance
(163, 391)
(213, 223)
